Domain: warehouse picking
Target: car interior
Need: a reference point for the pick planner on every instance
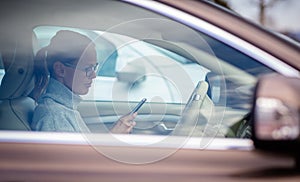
(206, 110)
(157, 118)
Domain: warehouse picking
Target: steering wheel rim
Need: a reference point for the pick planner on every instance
(191, 113)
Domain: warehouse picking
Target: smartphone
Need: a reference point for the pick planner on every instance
(137, 107)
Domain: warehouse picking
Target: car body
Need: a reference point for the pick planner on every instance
(196, 63)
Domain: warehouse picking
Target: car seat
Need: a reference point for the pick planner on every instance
(16, 107)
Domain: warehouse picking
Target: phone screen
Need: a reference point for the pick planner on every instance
(137, 107)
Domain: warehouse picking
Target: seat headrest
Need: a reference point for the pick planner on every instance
(18, 78)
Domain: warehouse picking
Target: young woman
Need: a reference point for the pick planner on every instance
(64, 70)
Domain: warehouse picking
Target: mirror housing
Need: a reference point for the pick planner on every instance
(132, 73)
(276, 115)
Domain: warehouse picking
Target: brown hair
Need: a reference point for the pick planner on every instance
(67, 47)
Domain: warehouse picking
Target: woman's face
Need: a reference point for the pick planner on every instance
(79, 78)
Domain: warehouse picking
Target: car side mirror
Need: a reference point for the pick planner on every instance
(276, 115)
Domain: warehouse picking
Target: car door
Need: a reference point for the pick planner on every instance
(198, 78)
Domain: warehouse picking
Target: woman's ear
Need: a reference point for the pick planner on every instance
(59, 69)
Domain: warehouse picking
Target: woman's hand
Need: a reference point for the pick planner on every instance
(124, 124)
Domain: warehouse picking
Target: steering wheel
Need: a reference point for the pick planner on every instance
(191, 113)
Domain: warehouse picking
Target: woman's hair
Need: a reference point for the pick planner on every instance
(66, 47)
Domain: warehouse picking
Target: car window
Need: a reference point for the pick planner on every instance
(192, 79)
(165, 72)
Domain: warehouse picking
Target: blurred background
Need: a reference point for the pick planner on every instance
(278, 15)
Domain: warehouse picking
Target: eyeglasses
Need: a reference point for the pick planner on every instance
(89, 71)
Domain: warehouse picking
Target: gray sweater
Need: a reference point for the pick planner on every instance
(57, 110)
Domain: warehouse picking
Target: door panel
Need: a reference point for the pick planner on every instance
(153, 118)
(83, 163)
